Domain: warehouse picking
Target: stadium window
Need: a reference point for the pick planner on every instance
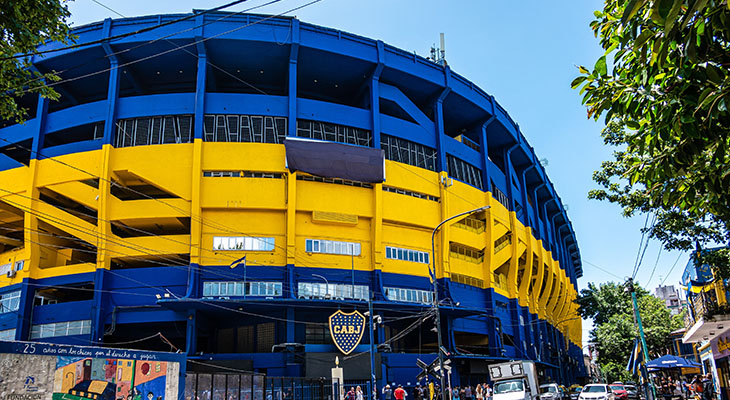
(464, 172)
(244, 129)
(9, 302)
(407, 152)
(168, 129)
(236, 289)
(409, 295)
(332, 247)
(396, 253)
(334, 133)
(320, 290)
(243, 243)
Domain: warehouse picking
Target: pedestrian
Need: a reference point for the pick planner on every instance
(467, 393)
(399, 393)
(480, 391)
(455, 393)
(685, 389)
(489, 391)
(350, 395)
(358, 393)
(708, 387)
(387, 393)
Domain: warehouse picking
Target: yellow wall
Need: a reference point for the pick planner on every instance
(279, 208)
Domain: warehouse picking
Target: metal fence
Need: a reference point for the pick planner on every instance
(252, 386)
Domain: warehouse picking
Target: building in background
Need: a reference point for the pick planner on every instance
(671, 297)
(707, 320)
(313, 161)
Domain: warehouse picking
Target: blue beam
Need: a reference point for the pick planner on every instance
(375, 95)
(293, 57)
(200, 84)
(112, 94)
(439, 123)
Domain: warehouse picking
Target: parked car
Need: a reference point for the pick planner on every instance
(632, 392)
(596, 391)
(620, 391)
(551, 391)
(575, 392)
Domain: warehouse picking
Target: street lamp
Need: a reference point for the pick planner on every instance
(326, 285)
(436, 292)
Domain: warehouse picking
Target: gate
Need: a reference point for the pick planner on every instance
(238, 386)
(253, 386)
(283, 388)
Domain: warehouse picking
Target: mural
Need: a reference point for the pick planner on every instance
(79, 378)
(83, 373)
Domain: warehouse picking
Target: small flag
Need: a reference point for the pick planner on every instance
(240, 261)
(636, 358)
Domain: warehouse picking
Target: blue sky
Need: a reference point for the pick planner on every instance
(522, 52)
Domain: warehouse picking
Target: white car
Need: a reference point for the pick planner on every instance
(596, 391)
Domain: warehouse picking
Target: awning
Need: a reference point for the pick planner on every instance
(670, 361)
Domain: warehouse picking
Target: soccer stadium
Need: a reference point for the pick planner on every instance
(219, 184)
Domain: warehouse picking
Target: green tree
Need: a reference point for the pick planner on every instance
(662, 88)
(24, 25)
(612, 312)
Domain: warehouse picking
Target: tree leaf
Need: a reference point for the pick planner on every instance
(600, 67)
(632, 7)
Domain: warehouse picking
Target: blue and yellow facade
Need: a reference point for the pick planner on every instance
(124, 204)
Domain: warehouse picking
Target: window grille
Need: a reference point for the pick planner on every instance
(502, 242)
(332, 247)
(321, 290)
(409, 295)
(465, 172)
(397, 253)
(246, 243)
(245, 174)
(410, 193)
(334, 133)
(66, 328)
(236, 289)
(154, 130)
(407, 152)
(336, 181)
(472, 223)
(467, 280)
(500, 196)
(466, 253)
(244, 128)
(9, 302)
(7, 334)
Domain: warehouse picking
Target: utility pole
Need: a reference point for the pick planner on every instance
(644, 349)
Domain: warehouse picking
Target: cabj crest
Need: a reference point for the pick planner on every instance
(346, 330)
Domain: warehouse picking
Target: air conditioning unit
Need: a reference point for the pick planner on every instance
(11, 273)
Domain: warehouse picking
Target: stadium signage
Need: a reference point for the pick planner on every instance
(346, 330)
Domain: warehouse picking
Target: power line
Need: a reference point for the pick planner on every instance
(671, 269)
(121, 36)
(655, 265)
(176, 48)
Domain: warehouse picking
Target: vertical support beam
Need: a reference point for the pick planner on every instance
(484, 149)
(196, 173)
(375, 94)
(25, 310)
(191, 333)
(103, 227)
(292, 78)
(539, 220)
(523, 190)
(97, 309)
(30, 222)
(112, 87)
(291, 221)
(376, 227)
(439, 123)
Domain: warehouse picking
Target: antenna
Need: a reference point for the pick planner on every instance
(442, 59)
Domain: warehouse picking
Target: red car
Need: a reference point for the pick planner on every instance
(619, 391)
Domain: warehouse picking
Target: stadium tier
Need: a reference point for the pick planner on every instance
(221, 183)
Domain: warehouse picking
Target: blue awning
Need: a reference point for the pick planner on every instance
(670, 361)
